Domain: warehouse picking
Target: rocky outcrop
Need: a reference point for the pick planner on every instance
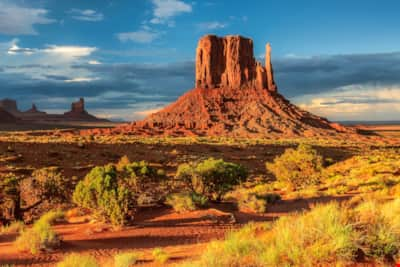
(234, 96)
(268, 70)
(9, 105)
(32, 115)
(7, 117)
(33, 111)
(78, 107)
(79, 113)
(229, 62)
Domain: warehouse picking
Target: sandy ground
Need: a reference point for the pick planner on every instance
(183, 236)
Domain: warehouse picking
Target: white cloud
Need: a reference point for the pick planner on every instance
(81, 79)
(15, 49)
(354, 102)
(140, 36)
(18, 20)
(49, 62)
(86, 15)
(94, 62)
(69, 51)
(62, 52)
(213, 25)
(165, 10)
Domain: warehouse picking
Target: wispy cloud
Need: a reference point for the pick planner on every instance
(20, 20)
(355, 102)
(81, 79)
(165, 10)
(69, 51)
(58, 50)
(86, 14)
(141, 36)
(212, 25)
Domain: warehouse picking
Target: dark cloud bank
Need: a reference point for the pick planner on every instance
(119, 86)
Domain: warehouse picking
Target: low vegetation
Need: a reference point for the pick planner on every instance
(211, 177)
(103, 193)
(40, 236)
(328, 234)
(160, 255)
(297, 167)
(74, 260)
(126, 259)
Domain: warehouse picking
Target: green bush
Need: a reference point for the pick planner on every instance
(160, 255)
(39, 237)
(297, 167)
(125, 259)
(211, 177)
(136, 174)
(74, 260)
(102, 193)
(182, 202)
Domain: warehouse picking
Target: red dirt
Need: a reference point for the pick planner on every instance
(184, 236)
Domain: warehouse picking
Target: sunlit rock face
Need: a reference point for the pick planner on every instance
(228, 62)
(234, 95)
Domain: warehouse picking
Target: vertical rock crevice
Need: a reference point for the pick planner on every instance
(228, 62)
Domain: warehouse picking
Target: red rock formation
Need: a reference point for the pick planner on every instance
(7, 117)
(234, 96)
(228, 62)
(9, 105)
(269, 71)
(33, 111)
(78, 112)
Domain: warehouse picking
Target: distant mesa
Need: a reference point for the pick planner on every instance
(234, 95)
(77, 113)
(7, 117)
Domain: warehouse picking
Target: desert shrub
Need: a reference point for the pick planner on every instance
(182, 202)
(135, 174)
(102, 193)
(238, 249)
(50, 184)
(320, 236)
(125, 259)
(39, 237)
(297, 167)
(74, 260)
(255, 199)
(11, 197)
(160, 256)
(14, 227)
(211, 177)
(253, 203)
(379, 227)
(52, 216)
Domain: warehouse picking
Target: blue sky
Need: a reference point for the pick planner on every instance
(339, 59)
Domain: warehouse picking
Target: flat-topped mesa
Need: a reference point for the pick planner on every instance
(228, 62)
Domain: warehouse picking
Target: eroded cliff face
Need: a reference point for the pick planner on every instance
(228, 62)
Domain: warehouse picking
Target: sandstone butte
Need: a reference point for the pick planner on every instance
(235, 96)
